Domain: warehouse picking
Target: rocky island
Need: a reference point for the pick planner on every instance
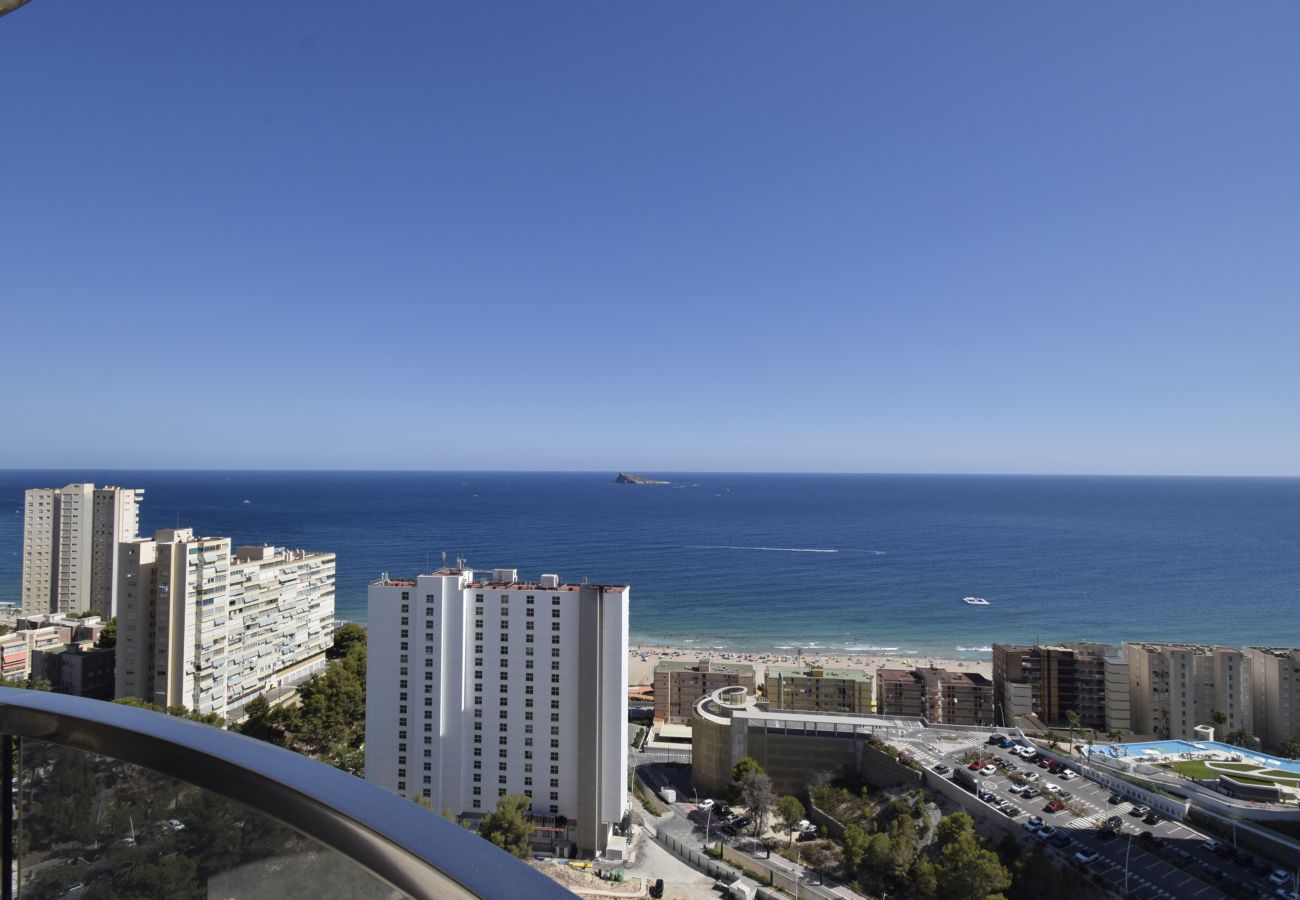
(629, 478)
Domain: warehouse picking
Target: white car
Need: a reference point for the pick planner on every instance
(1085, 858)
(1032, 776)
(1279, 878)
(1046, 832)
(1069, 775)
(1052, 788)
(706, 805)
(989, 770)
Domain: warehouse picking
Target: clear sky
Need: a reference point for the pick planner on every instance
(832, 236)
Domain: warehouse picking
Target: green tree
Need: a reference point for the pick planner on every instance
(1243, 739)
(965, 870)
(1219, 718)
(1072, 719)
(345, 638)
(855, 843)
(791, 812)
(1289, 747)
(746, 765)
(507, 826)
(108, 636)
(925, 881)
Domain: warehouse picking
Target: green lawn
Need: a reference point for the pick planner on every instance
(1200, 770)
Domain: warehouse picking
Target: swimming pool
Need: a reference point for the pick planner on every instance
(1154, 750)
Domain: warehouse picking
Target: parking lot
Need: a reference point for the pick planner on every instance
(1101, 832)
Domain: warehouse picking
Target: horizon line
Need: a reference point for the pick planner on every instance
(558, 471)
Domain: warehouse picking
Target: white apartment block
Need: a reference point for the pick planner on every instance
(1175, 687)
(70, 538)
(1275, 683)
(481, 687)
(209, 628)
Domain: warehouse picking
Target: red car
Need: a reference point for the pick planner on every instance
(976, 766)
(1055, 806)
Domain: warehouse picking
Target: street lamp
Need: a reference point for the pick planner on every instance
(798, 870)
(708, 820)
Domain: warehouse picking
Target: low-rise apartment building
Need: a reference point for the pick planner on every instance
(818, 689)
(679, 683)
(80, 669)
(938, 695)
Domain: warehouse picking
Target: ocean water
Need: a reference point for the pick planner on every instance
(866, 563)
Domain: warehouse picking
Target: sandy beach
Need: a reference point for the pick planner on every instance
(643, 659)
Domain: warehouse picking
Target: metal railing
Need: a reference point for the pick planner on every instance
(413, 851)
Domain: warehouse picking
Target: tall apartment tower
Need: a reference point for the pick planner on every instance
(1175, 687)
(70, 538)
(1048, 681)
(481, 687)
(1275, 684)
(210, 628)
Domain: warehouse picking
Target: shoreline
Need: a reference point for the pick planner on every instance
(642, 659)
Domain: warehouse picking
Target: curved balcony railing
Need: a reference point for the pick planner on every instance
(66, 743)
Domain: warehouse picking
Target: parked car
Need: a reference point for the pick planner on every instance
(1016, 788)
(1069, 774)
(1151, 819)
(1065, 796)
(1060, 839)
(996, 739)
(706, 805)
(1034, 823)
(1139, 811)
(989, 770)
(1086, 857)
(1114, 799)
(1114, 823)
(657, 889)
(1032, 776)
(1032, 793)
(1051, 787)
(941, 769)
(1047, 832)
(1055, 806)
(1280, 877)
(976, 765)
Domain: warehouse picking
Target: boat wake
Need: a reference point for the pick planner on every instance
(771, 549)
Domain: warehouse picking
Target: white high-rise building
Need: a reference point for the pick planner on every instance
(1175, 687)
(1275, 680)
(209, 628)
(481, 687)
(70, 538)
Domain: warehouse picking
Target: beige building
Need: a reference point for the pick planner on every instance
(1175, 687)
(940, 696)
(70, 538)
(818, 689)
(211, 628)
(1275, 689)
(679, 683)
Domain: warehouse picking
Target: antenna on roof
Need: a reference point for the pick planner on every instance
(444, 559)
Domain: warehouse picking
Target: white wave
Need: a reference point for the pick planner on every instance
(974, 649)
(872, 649)
(771, 549)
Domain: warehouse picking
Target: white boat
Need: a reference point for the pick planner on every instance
(975, 601)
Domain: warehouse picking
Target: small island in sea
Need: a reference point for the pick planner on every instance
(629, 478)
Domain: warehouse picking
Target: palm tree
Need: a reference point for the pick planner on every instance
(1072, 719)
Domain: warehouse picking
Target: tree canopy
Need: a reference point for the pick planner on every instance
(507, 826)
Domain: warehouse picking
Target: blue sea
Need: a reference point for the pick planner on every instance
(865, 563)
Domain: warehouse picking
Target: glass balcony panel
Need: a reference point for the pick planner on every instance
(90, 826)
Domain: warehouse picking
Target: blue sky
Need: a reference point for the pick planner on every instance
(662, 236)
